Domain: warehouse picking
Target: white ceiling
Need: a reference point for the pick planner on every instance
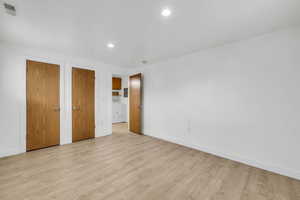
(84, 27)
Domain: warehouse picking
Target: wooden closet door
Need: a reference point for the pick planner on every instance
(43, 101)
(83, 104)
(135, 103)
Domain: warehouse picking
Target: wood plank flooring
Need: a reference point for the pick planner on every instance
(126, 166)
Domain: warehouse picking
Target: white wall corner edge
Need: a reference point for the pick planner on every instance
(253, 163)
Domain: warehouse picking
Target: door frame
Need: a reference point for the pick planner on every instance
(71, 98)
(141, 102)
(69, 94)
(23, 118)
(60, 94)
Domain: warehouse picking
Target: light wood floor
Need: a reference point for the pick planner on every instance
(130, 167)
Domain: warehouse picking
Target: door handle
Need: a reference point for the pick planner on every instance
(56, 109)
(74, 108)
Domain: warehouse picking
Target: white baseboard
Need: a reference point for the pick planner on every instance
(279, 170)
(104, 134)
(276, 169)
(10, 152)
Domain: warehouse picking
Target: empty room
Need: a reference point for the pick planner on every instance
(149, 100)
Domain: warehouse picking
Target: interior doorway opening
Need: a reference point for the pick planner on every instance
(120, 103)
(127, 103)
(135, 103)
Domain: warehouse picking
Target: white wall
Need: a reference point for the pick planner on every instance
(240, 101)
(13, 95)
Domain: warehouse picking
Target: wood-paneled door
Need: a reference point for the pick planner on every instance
(135, 103)
(83, 104)
(43, 105)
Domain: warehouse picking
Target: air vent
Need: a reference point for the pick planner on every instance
(10, 9)
(144, 62)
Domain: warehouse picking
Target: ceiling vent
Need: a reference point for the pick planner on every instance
(144, 62)
(10, 9)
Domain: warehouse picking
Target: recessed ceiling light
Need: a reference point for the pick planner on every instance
(110, 45)
(166, 12)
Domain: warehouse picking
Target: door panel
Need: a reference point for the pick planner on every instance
(135, 85)
(43, 101)
(83, 104)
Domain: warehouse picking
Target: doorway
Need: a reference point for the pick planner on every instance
(119, 101)
(127, 103)
(83, 104)
(135, 103)
(43, 105)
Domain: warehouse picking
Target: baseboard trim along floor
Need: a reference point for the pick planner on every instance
(279, 170)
